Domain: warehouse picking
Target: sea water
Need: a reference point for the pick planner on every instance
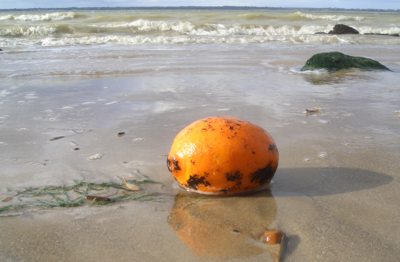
(49, 28)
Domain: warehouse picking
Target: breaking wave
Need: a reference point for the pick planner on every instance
(180, 27)
(335, 18)
(188, 28)
(57, 16)
(183, 28)
(134, 40)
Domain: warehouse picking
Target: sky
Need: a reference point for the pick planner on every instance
(360, 4)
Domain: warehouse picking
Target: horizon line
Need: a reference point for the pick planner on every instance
(192, 7)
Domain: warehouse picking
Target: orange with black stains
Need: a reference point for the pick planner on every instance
(222, 155)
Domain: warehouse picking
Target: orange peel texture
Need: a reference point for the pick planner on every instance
(222, 155)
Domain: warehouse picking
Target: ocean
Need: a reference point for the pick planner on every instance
(98, 94)
(54, 28)
(85, 32)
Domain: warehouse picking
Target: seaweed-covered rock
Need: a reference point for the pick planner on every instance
(341, 29)
(333, 61)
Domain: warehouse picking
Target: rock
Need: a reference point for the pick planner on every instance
(333, 61)
(341, 29)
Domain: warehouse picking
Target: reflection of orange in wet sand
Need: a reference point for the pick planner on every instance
(223, 227)
(223, 155)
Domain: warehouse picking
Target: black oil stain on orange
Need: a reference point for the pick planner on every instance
(175, 165)
(233, 176)
(272, 147)
(263, 175)
(196, 180)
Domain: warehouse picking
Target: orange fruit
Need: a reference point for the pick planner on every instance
(222, 155)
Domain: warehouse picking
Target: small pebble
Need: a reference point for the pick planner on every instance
(95, 156)
(273, 237)
(120, 134)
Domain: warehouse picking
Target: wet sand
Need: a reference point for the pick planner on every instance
(335, 194)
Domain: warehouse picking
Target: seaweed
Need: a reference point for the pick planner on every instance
(6, 208)
(78, 194)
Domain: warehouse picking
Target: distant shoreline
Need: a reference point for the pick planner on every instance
(196, 8)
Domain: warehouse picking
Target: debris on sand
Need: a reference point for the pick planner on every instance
(273, 237)
(57, 138)
(312, 110)
(98, 198)
(129, 185)
(275, 240)
(95, 156)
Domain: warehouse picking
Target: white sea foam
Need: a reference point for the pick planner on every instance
(88, 103)
(6, 17)
(188, 28)
(4, 93)
(57, 16)
(26, 31)
(379, 30)
(162, 107)
(31, 96)
(150, 25)
(185, 39)
(329, 17)
(111, 103)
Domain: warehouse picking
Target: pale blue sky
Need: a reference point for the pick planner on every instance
(383, 4)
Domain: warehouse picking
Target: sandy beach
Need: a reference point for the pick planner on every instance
(115, 112)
